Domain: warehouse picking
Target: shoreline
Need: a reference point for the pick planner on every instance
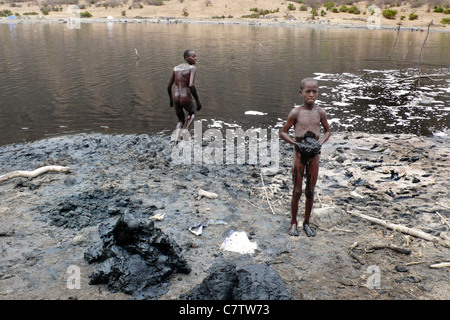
(220, 12)
(241, 22)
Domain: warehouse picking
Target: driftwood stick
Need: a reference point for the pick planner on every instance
(34, 173)
(423, 45)
(443, 219)
(396, 227)
(398, 31)
(423, 76)
(440, 265)
(392, 247)
(404, 57)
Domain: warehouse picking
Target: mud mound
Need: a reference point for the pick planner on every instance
(135, 258)
(251, 282)
(88, 208)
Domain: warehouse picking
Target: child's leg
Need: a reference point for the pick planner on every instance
(297, 177)
(312, 172)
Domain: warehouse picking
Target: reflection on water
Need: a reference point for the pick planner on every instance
(56, 80)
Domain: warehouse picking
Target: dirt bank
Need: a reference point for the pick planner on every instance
(224, 11)
(49, 222)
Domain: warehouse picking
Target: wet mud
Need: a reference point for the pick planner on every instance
(56, 221)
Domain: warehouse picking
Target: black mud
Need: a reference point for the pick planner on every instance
(49, 223)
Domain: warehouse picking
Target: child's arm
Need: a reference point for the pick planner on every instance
(284, 134)
(325, 125)
(169, 89)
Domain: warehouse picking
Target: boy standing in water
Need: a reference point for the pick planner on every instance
(183, 76)
(307, 120)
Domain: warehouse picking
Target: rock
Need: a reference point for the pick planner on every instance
(328, 217)
(401, 268)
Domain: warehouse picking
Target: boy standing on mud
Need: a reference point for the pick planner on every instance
(183, 76)
(307, 120)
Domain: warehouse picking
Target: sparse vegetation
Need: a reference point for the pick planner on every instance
(260, 12)
(389, 13)
(389, 8)
(329, 5)
(85, 14)
(413, 16)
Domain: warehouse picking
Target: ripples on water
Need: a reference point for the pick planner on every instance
(56, 80)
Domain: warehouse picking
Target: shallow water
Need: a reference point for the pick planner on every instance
(56, 80)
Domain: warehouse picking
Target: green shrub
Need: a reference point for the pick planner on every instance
(343, 8)
(335, 10)
(413, 16)
(438, 9)
(389, 14)
(329, 5)
(5, 13)
(354, 10)
(85, 14)
(303, 8)
(251, 16)
(445, 21)
(44, 11)
(291, 7)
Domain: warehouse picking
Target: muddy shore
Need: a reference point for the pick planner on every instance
(49, 222)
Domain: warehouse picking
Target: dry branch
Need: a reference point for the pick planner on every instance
(34, 173)
(267, 196)
(396, 227)
(423, 45)
(392, 247)
(440, 265)
(423, 76)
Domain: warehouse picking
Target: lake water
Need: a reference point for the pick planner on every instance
(55, 80)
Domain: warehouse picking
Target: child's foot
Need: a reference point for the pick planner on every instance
(293, 231)
(309, 232)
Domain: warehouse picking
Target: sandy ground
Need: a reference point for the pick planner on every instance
(232, 11)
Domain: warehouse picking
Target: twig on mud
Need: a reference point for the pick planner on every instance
(413, 263)
(443, 205)
(396, 227)
(335, 229)
(254, 204)
(440, 265)
(443, 219)
(353, 255)
(389, 246)
(267, 196)
(34, 173)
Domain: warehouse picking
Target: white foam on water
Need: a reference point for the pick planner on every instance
(255, 113)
